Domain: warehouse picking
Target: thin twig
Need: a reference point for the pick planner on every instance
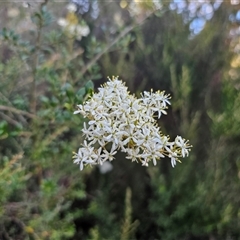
(35, 61)
(17, 111)
(35, 65)
(21, 118)
(8, 119)
(121, 35)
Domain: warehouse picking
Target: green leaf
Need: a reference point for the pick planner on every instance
(89, 86)
(44, 99)
(80, 94)
(67, 87)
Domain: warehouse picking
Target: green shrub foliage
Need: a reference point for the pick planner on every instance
(51, 59)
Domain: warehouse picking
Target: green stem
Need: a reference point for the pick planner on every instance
(33, 94)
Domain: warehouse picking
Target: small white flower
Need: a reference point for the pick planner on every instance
(133, 153)
(183, 145)
(108, 155)
(144, 163)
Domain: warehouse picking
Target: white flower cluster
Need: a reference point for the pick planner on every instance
(120, 121)
(70, 23)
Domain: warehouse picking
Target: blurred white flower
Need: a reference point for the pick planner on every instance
(134, 9)
(118, 19)
(105, 167)
(71, 7)
(77, 30)
(62, 22)
(120, 121)
(71, 24)
(82, 31)
(158, 5)
(13, 12)
(26, 4)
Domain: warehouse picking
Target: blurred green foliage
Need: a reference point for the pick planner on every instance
(45, 73)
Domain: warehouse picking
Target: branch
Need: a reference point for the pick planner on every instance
(17, 111)
(33, 102)
(8, 119)
(121, 35)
